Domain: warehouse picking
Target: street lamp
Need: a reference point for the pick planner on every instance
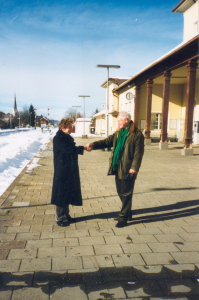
(84, 113)
(107, 91)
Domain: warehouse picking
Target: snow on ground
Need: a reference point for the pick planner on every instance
(17, 148)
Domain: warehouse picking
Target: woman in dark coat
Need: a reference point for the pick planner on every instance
(66, 182)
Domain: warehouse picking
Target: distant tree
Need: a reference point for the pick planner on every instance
(25, 116)
(93, 120)
(32, 115)
(3, 124)
(73, 114)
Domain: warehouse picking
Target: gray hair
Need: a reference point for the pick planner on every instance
(124, 115)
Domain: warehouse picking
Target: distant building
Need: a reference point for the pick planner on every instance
(82, 126)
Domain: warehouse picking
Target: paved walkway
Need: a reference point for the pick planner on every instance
(155, 257)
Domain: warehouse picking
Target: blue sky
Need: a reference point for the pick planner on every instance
(49, 49)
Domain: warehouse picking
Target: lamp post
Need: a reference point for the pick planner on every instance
(107, 91)
(84, 113)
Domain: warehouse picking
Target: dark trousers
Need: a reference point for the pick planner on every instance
(61, 212)
(125, 192)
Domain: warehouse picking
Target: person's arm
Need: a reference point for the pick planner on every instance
(101, 144)
(58, 145)
(138, 154)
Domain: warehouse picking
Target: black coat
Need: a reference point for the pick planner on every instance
(66, 182)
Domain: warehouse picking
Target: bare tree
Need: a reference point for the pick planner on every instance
(72, 113)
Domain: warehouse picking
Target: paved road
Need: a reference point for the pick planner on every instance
(155, 257)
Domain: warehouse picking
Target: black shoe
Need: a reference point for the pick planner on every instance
(121, 224)
(71, 220)
(62, 223)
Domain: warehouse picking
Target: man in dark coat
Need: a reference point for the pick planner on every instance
(66, 182)
(125, 161)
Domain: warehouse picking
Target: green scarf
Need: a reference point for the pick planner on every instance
(119, 147)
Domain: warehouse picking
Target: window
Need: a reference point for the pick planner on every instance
(156, 121)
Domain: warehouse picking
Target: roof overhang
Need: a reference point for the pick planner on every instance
(176, 58)
(183, 5)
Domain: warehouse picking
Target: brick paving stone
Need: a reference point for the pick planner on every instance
(31, 294)
(125, 230)
(190, 229)
(39, 243)
(183, 270)
(184, 287)
(172, 229)
(108, 249)
(187, 246)
(10, 265)
(91, 240)
(158, 258)
(3, 254)
(135, 248)
(66, 263)
(117, 239)
(7, 236)
(28, 236)
(16, 279)
(18, 229)
(151, 272)
(51, 252)
(40, 228)
(35, 264)
(65, 242)
(143, 238)
(79, 251)
(149, 230)
(127, 260)
(77, 233)
(97, 261)
(105, 291)
(143, 288)
(22, 253)
(52, 235)
(12, 244)
(5, 294)
(190, 237)
(69, 292)
(163, 247)
(168, 238)
(186, 257)
(98, 232)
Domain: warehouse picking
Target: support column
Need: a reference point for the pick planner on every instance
(148, 111)
(190, 97)
(136, 105)
(163, 145)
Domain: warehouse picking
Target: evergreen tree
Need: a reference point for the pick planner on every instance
(32, 115)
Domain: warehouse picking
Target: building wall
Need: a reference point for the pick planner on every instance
(100, 125)
(191, 25)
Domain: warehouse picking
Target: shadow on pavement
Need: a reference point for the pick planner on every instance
(141, 281)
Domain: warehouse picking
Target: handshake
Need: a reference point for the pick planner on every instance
(88, 147)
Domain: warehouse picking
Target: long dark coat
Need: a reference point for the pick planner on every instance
(66, 182)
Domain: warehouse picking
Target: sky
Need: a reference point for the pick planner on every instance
(49, 49)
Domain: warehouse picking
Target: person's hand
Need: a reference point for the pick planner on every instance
(131, 171)
(88, 147)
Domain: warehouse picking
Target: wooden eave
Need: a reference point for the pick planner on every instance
(178, 57)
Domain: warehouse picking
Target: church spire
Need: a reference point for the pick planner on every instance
(15, 106)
